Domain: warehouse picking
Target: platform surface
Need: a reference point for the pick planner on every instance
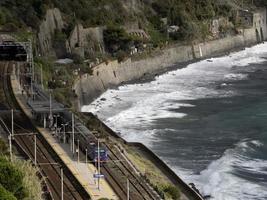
(82, 171)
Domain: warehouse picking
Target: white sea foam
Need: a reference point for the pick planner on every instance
(257, 143)
(235, 77)
(220, 180)
(134, 109)
(147, 102)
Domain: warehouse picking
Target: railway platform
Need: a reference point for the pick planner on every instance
(83, 172)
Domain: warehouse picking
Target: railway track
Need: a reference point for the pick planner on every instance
(116, 173)
(138, 187)
(117, 170)
(48, 162)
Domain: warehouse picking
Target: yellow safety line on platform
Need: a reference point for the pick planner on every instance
(105, 192)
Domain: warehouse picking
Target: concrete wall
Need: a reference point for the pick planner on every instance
(107, 75)
(259, 23)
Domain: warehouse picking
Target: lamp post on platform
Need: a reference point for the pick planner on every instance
(64, 132)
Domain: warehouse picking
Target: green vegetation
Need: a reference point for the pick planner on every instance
(5, 194)
(153, 175)
(18, 179)
(16, 14)
(192, 17)
(12, 179)
(20, 13)
(60, 78)
(118, 42)
(3, 148)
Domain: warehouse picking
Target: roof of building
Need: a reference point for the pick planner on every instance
(44, 106)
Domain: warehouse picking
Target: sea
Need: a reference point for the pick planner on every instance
(207, 120)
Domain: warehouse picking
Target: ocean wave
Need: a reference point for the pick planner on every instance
(247, 61)
(223, 178)
(133, 110)
(235, 77)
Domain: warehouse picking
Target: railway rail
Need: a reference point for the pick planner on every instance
(47, 160)
(116, 171)
(139, 188)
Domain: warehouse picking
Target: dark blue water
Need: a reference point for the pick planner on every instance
(208, 121)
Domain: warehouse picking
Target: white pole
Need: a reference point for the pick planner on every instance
(35, 151)
(10, 146)
(56, 124)
(128, 190)
(78, 150)
(44, 121)
(62, 189)
(32, 67)
(33, 75)
(50, 109)
(64, 134)
(98, 161)
(12, 133)
(42, 78)
(12, 122)
(86, 156)
(19, 75)
(73, 145)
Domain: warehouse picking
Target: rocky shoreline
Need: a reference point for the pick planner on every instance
(113, 73)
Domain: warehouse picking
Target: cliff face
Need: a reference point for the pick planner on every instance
(83, 40)
(112, 74)
(53, 21)
(133, 5)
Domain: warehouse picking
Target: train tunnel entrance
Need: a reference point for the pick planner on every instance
(12, 51)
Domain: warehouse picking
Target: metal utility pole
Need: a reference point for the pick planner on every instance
(61, 176)
(32, 67)
(64, 132)
(44, 120)
(78, 150)
(18, 75)
(10, 138)
(50, 109)
(128, 190)
(12, 122)
(42, 78)
(98, 162)
(73, 144)
(86, 156)
(62, 188)
(10, 146)
(11, 134)
(56, 116)
(35, 151)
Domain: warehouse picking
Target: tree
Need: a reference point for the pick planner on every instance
(6, 195)
(117, 39)
(2, 18)
(12, 179)
(3, 148)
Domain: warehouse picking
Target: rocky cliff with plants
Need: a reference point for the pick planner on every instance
(124, 26)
